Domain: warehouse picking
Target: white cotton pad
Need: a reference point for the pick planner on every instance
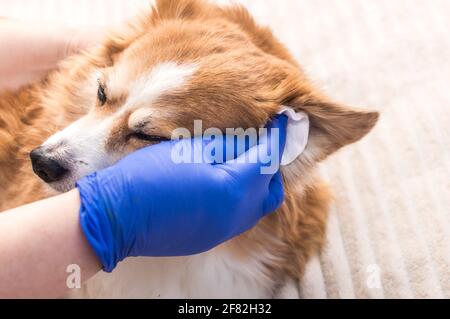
(297, 134)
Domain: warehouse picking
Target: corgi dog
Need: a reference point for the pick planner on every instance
(185, 60)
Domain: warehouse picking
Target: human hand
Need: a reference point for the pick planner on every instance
(147, 205)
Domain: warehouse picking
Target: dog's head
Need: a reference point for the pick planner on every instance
(188, 61)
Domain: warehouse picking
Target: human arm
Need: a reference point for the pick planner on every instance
(28, 51)
(37, 244)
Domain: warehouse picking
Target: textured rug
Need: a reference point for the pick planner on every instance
(389, 230)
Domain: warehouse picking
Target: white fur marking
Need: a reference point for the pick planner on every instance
(163, 78)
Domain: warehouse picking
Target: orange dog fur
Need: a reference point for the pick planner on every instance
(244, 75)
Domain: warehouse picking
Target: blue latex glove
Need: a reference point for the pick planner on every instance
(146, 205)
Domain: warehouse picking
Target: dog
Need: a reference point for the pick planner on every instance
(186, 60)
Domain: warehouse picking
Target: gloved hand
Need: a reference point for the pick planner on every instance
(146, 205)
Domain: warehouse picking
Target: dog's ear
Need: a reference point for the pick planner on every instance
(332, 126)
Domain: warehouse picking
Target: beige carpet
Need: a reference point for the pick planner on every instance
(389, 232)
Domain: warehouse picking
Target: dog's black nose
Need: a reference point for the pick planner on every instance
(46, 168)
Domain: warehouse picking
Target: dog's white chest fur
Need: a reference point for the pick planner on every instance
(215, 274)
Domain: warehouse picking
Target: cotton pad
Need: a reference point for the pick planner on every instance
(297, 134)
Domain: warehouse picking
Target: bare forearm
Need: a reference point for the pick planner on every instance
(37, 244)
(29, 51)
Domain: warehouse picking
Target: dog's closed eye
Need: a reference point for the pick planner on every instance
(148, 138)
